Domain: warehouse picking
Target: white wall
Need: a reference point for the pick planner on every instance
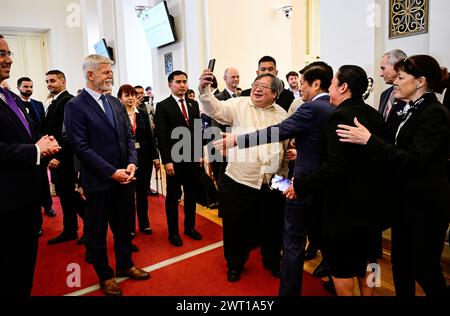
(440, 31)
(241, 32)
(231, 31)
(65, 42)
(348, 35)
(131, 46)
(346, 38)
(161, 89)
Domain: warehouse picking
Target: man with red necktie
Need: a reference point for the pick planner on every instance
(176, 112)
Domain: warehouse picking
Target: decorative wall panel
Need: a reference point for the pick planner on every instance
(408, 17)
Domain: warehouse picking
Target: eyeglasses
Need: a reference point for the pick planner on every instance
(260, 86)
(4, 53)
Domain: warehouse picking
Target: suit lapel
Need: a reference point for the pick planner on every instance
(96, 108)
(176, 109)
(190, 110)
(16, 119)
(385, 99)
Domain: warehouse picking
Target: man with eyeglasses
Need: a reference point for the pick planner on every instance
(21, 151)
(252, 212)
(268, 64)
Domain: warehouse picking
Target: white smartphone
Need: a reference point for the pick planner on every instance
(280, 183)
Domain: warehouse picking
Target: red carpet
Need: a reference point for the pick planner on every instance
(200, 275)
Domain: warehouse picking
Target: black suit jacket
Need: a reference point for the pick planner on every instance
(36, 111)
(393, 121)
(284, 100)
(446, 100)
(349, 177)
(420, 157)
(53, 125)
(223, 96)
(147, 151)
(20, 176)
(167, 118)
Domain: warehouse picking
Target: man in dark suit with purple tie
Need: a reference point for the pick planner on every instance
(20, 156)
(100, 135)
(37, 113)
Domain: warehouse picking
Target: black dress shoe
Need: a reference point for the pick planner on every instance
(193, 234)
(153, 193)
(88, 258)
(40, 233)
(81, 241)
(310, 254)
(50, 212)
(329, 287)
(233, 275)
(175, 240)
(147, 231)
(322, 270)
(213, 206)
(62, 238)
(134, 248)
(274, 270)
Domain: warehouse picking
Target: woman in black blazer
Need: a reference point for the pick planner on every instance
(148, 156)
(420, 155)
(349, 180)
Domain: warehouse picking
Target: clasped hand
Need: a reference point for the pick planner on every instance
(48, 146)
(125, 176)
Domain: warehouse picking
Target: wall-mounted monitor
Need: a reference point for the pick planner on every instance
(158, 25)
(102, 49)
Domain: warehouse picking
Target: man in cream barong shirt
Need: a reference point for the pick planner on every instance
(252, 211)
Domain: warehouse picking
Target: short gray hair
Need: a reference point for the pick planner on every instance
(276, 84)
(394, 56)
(92, 62)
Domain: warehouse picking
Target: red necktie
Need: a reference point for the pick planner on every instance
(183, 109)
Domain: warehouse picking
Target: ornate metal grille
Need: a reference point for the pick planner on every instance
(407, 17)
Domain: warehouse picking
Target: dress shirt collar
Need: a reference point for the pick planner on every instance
(231, 92)
(178, 99)
(93, 94)
(56, 96)
(319, 96)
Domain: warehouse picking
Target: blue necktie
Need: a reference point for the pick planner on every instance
(108, 110)
(15, 108)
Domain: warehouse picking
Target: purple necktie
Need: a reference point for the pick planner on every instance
(15, 108)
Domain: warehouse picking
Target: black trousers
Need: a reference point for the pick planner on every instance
(218, 169)
(71, 201)
(417, 245)
(46, 195)
(103, 208)
(139, 199)
(251, 217)
(184, 175)
(18, 250)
